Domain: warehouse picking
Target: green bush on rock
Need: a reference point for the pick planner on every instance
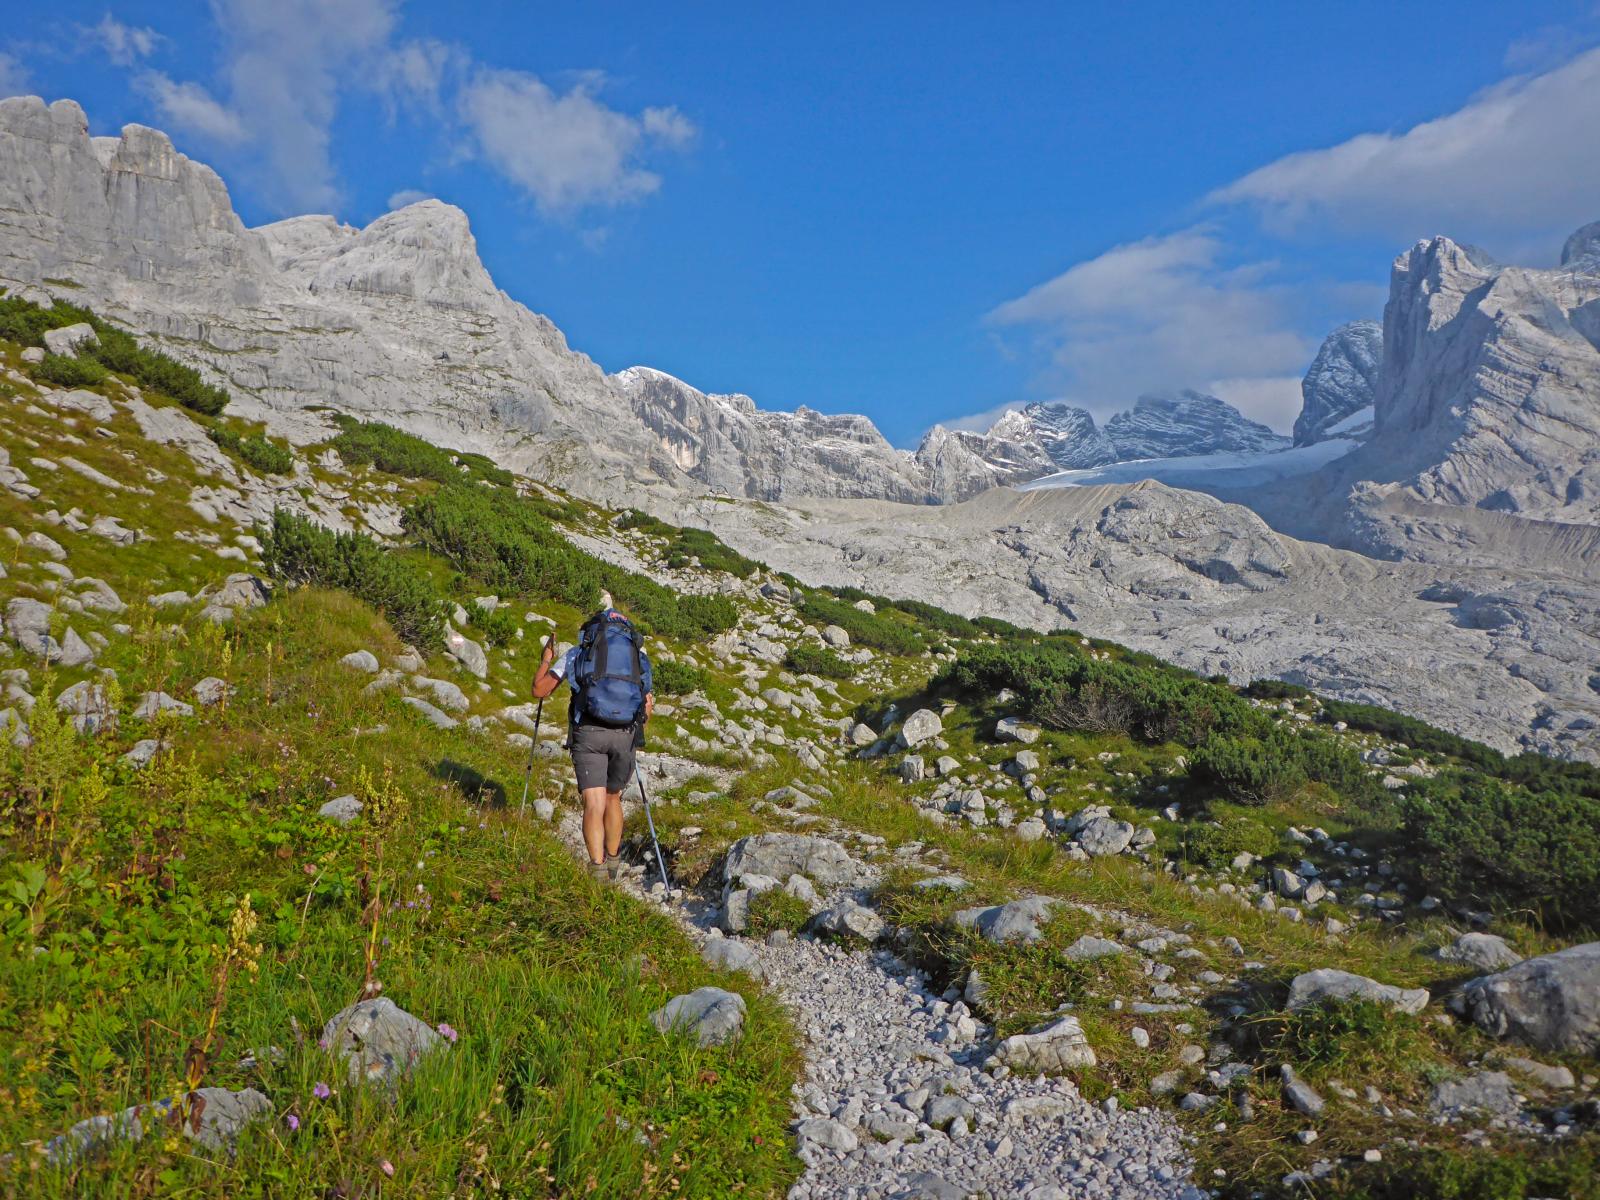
(296, 548)
(816, 660)
(267, 457)
(1497, 844)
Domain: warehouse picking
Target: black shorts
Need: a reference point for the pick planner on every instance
(602, 757)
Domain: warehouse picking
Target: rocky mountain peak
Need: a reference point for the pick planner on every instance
(1583, 248)
(1186, 423)
(1340, 384)
(424, 252)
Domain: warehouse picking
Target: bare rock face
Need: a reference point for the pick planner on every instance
(1551, 1002)
(1582, 250)
(1493, 379)
(730, 444)
(398, 322)
(1340, 383)
(958, 464)
(1188, 423)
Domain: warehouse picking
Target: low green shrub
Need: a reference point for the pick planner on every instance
(489, 534)
(867, 629)
(1497, 1172)
(26, 323)
(507, 543)
(400, 453)
(297, 549)
(66, 371)
(776, 909)
(1274, 689)
(1248, 770)
(689, 543)
(666, 613)
(1492, 843)
(673, 678)
(817, 660)
(267, 457)
(1531, 770)
(499, 625)
(1063, 688)
(156, 371)
(713, 554)
(1216, 844)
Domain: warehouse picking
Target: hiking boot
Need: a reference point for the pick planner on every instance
(615, 867)
(599, 871)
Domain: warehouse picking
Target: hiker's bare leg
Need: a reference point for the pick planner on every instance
(596, 822)
(613, 822)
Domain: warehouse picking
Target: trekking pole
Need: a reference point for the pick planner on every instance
(538, 715)
(661, 863)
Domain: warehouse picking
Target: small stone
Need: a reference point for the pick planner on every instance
(364, 661)
(378, 1040)
(1300, 1094)
(713, 1016)
(341, 810)
(210, 691)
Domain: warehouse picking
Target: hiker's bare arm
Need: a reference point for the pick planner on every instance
(544, 681)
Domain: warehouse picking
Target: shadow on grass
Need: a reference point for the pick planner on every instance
(474, 786)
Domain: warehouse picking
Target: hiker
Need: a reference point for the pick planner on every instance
(609, 674)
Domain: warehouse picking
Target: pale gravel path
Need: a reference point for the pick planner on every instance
(872, 1033)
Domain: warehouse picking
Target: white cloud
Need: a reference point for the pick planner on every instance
(669, 126)
(1519, 158)
(980, 422)
(415, 73)
(14, 78)
(1273, 400)
(192, 109)
(408, 196)
(565, 150)
(123, 44)
(1157, 315)
(285, 64)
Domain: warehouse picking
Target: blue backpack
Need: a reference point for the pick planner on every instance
(611, 675)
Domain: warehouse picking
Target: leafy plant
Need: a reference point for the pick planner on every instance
(673, 678)
(1494, 843)
(817, 660)
(295, 548)
(1215, 844)
(257, 451)
(867, 629)
(776, 909)
(66, 371)
(400, 453)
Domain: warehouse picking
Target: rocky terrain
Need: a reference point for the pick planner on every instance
(1212, 586)
(922, 944)
(1472, 484)
(1187, 423)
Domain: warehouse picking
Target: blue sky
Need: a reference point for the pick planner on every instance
(920, 212)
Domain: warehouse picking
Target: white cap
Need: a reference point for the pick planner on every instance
(605, 599)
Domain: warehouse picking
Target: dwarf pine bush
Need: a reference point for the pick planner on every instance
(298, 549)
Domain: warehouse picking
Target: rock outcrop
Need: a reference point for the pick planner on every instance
(399, 321)
(1551, 1002)
(1213, 587)
(1187, 423)
(1339, 386)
